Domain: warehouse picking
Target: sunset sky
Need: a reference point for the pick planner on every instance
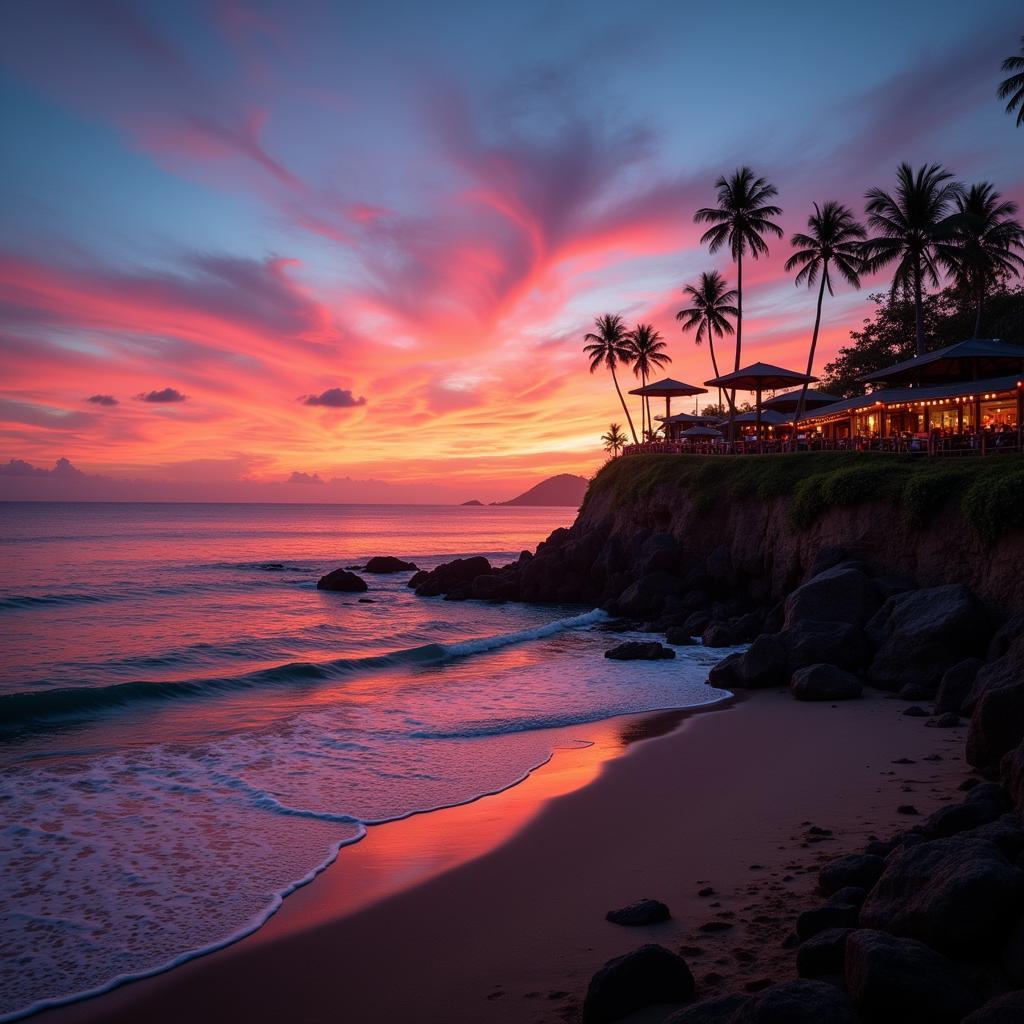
(252, 246)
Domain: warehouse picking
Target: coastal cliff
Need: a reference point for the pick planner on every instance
(751, 530)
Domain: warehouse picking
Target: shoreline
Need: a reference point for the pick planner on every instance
(510, 885)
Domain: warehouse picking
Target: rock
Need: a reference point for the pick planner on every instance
(836, 595)
(696, 623)
(947, 721)
(1011, 771)
(746, 627)
(833, 914)
(997, 720)
(761, 665)
(984, 803)
(915, 712)
(958, 895)
(902, 980)
(645, 597)
(679, 636)
(719, 634)
(388, 564)
(956, 685)
(342, 580)
(830, 643)
(824, 682)
(450, 575)
(1011, 957)
(918, 691)
(908, 809)
(640, 913)
(637, 650)
(647, 975)
(711, 1011)
(858, 869)
(1005, 1009)
(920, 634)
(1006, 832)
(804, 1001)
(723, 674)
(822, 954)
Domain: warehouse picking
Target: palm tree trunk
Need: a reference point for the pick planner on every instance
(625, 408)
(810, 357)
(918, 309)
(714, 364)
(977, 317)
(739, 340)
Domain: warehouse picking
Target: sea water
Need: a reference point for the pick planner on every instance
(189, 729)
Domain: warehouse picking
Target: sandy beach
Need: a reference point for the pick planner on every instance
(494, 911)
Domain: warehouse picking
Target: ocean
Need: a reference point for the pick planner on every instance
(189, 729)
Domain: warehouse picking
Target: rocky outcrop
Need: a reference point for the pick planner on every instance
(824, 682)
(388, 564)
(804, 1001)
(342, 580)
(643, 912)
(455, 578)
(637, 650)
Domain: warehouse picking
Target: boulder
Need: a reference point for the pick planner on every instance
(637, 650)
(722, 1010)
(679, 636)
(1006, 832)
(761, 665)
(958, 895)
(920, 634)
(983, 804)
(823, 955)
(858, 869)
(388, 564)
(645, 598)
(833, 914)
(997, 718)
(902, 981)
(640, 913)
(824, 682)
(723, 674)
(647, 975)
(719, 634)
(1011, 771)
(831, 643)
(804, 1001)
(955, 686)
(342, 580)
(1005, 1009)
(747, 626)
(450, 575)
(838, 594)
(918, 691)
(1011, 957)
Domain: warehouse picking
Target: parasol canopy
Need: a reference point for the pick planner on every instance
(787, 402)
(668, 389)
(706, 432)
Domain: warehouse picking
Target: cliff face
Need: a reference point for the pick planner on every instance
(673, 536)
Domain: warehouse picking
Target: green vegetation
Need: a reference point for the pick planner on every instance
(990, 491)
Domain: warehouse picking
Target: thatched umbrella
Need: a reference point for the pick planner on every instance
(759, 377)
(668, 389)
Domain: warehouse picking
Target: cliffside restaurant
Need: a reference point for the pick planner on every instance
(968, 395)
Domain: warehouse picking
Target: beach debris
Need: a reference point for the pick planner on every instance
(649, 974)
(706, 891)
(342, 580)
(908, 809)
(640, 913)
(637, 650)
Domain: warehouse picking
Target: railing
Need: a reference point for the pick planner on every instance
(1000, 443)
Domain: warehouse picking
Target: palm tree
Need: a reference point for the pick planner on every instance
(983, 243)
(909, 224)
(609, 347)
(740, 220)
(835, 239)
(1012, 88)
(710, 312)
(647, 353)
(614, 440)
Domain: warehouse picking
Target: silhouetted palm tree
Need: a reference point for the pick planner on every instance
(615, 440)
(609, 347)
(982, 247)
(1012, 88)
(740, 220)
(710, 312)
(834, 240)
(909, 224)
(647, 353)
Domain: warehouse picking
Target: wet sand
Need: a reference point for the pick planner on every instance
(494, 911)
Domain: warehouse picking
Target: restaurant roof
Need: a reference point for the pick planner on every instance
(787, 401)
(975, 358)
(895, 396)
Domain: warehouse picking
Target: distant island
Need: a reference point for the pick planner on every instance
(472, 501)
(564, 489)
